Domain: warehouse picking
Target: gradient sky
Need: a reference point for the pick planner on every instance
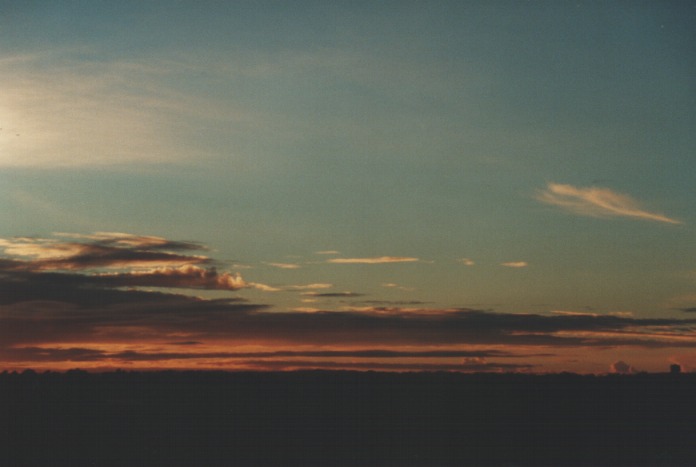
(503, 186)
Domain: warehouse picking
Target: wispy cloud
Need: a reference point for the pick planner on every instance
(285, 265)
(328, 252)
(373, 260)
(598, 202)
(466, 261)
(52, 98)
(515, 264)
(314, 286)
(391, 285)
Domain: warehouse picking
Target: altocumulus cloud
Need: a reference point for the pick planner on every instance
(598, 202)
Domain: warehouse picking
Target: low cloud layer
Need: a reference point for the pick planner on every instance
(598, 202)
(71, 314)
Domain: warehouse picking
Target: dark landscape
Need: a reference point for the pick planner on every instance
(332, 418)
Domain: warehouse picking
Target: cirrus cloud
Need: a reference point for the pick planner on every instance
(598, 202)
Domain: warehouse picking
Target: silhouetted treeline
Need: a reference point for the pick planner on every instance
(346, 419)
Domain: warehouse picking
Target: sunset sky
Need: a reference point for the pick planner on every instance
(406, 185)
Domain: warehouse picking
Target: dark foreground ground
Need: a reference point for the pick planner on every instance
(346, 419)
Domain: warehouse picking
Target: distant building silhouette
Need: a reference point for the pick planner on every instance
(675, 369)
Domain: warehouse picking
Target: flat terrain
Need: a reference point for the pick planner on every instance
(346, 419)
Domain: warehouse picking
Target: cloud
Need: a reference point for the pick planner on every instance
(515, 264)
(150, 242)
(334, 294)
(374, 260)
(391, 285)
(392, 302)
(306, 309)
(148, 112)
(44, 353)
(597, 202)
(187, 276)
(70, 309)
(328, 252)
(465, 366)
(466, 261)
(309, 286)
(285, 265)
(115, 251)
(372, 359)
(52, 98)
(49, 269)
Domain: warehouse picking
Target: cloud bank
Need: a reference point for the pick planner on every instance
(90, 299)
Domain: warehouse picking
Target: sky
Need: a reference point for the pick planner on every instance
(398, 186)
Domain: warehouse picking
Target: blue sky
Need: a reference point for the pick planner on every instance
(513, 157)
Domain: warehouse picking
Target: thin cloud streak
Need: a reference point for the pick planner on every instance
(374, 260)
(285, 265)
(515, 264)
(314, 286)
(597, 202)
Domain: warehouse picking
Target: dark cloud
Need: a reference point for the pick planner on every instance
(278, 365)
(334, 294)
(12, 265)
(369, 353)
(39, 354)
(472, 360)
(144, 242)
(391, 302)
(73, 289)
(689, 310)
(100, 251)
(100, 256)
(188, 277)
(131, 316)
